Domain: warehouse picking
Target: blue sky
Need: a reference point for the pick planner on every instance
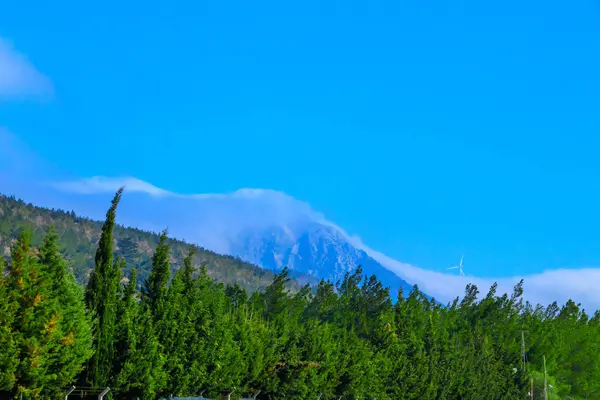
(428, 128)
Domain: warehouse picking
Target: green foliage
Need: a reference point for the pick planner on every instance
(34, 327)
(185, 333)
(143, 373)
(155, 288)
(74, 322)
(79, 236)
(126, 329)
(9, 355)
(101, 299)
(51, 330)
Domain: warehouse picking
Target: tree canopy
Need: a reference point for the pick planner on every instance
(184, 334)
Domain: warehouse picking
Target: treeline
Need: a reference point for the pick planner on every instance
(186, 334)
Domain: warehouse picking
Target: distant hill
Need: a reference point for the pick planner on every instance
(79, 237)
(259, 226)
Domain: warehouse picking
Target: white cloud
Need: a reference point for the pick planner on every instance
(218, 217)
(18, 77)
(210, 220)
(277, 202)
(580, 285)
(99, 184)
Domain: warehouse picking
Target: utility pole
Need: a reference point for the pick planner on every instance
(531, 390)
(524, 363)
(545, 381)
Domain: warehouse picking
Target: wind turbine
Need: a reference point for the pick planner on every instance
(459, 267)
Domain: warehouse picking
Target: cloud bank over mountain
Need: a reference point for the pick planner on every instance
(211, 219)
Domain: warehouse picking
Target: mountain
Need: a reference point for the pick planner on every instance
(271, 228)
(79, 237)
(311, 248)
(262, 227)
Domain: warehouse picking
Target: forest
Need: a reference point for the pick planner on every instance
(185, 334)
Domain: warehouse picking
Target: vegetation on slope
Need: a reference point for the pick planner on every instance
(185, 334)
(78, 237)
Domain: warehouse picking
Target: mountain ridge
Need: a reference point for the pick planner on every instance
(286, 232)
(315, 249)
(260, 226)
(79, 236)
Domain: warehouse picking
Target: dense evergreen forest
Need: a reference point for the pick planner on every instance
(183, 333)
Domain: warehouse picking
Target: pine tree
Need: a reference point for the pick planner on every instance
(276, 298)
(101, 299)
(8, 352)
(74, 324)
(35, 327)
(195, 334)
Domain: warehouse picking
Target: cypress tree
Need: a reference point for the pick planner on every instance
(143, 373)
(155, 301)
(197, 326)
(352, 342)
(101, 299)
(125, 335)
(175, 337)
(178, 331)
(155, 290)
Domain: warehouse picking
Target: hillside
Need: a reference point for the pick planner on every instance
(79, 237)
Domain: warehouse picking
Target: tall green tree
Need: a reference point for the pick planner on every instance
(191, 334)
(36, 320)
(125, 331)
(155, 300)
(9, 352)
(139, 364)
(155, 289)
(143, 374)
(101, 299)
(73, 326)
